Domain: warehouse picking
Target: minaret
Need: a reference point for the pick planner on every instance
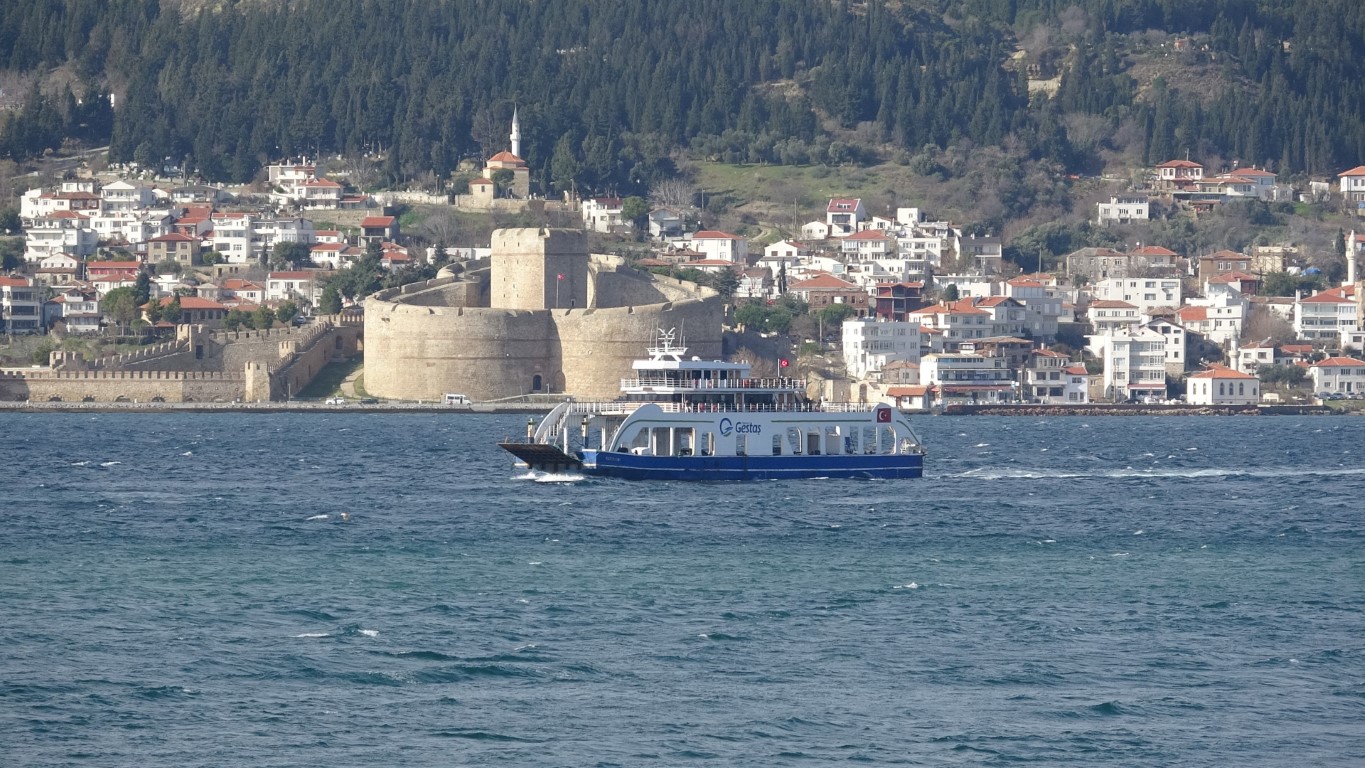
(516, 134)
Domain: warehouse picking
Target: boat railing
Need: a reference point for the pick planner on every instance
(724, 384)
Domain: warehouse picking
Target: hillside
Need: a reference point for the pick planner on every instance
(616, 97)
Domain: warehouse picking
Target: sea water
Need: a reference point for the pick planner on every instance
(387, 590)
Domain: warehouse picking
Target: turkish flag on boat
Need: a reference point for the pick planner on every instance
(883, 415)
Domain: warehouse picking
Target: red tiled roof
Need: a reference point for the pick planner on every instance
(1076, 370)
(867, 234)
(1192, 314)
(1179, 164)
(192, 302)
(1338, 362)
(1220, 372)
(1359, 170)
(377, 221)
(711, 234)
(506, 157)
(840, 204)
(910, 391)
(1154, 250)
(1111, 304)
(823, 282)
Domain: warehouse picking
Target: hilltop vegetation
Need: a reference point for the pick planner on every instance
(615, 96)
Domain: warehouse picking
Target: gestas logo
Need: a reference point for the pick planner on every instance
(728, 428)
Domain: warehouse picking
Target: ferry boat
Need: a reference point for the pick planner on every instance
(681, 418)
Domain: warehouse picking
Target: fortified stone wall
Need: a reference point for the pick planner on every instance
(539, 269)
(120, 386)
(423, 341)
(419, 353)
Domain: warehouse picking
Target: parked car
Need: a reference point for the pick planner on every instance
(336, 401)
(369, 401)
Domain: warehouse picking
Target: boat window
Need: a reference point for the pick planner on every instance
(813, 442)
(741, 445)
(777, 445)
(851, 440)
(832, 440)
(869, 439)
(887, 439)
(794, 440)
(708, 444)
(683, 442)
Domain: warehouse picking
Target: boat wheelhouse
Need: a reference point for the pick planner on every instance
(690, 419)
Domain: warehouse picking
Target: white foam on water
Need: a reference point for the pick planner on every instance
(996, 473)
(983, 445)
(318, 517)
(911, 585)
(187, 453)
(370, 632)
(558, 477)
(110, 463)
(1138, 532)
(80, 464)
(315, 634)
(534, 562)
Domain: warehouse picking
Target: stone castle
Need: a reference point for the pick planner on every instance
(542, 316)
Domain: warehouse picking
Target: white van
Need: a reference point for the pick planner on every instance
(454, 399)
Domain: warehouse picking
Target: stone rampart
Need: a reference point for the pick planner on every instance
(120, 386)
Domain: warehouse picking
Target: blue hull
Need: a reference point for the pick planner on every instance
(632, 467)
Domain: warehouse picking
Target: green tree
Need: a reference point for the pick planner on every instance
(120, 305)
(502, 182)
(1289, 375)
(289, 255)
(634, 209)
(330, 301)
(726, 282)
(951, 293)
(142, 291)
(212, 257)
(9, 221)
(234, 319)
(286, 311)
(834, 315)
(263, 317)
(171, 313)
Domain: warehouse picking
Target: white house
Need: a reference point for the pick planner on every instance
(870, 344)
(1042, 308)
(21, 306)
(844, 216)
(1220, 385)
(1144, 293)
(1107, 316)
(231, 237)
(603, 214)
(1353, 184)
(1122, 209)
(303, 288)
(721, 245)
(123, 196)
(1174, 334)
(59, 232)
(1325, 316)
(867, 244)
(1345, 375)
(961, 378)
(1134, 363)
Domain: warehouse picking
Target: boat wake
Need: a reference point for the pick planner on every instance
(552, 477)
(1128, 473)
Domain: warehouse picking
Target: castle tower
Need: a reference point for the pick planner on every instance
(516, 134)
(539, 269)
